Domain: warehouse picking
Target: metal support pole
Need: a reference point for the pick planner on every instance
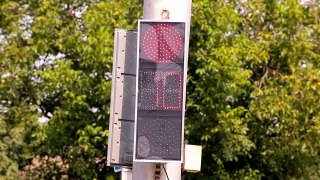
(177, 10)
(126, 173)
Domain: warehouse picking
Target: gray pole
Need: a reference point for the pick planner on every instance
(173, 10)
(126, 173)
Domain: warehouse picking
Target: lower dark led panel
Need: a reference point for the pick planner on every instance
(158, 138)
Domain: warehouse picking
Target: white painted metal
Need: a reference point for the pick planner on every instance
(115, 132)
(178, 10)
(122, 108)
(143, 171)
(173, 170)
(192, 158)
(126, 173)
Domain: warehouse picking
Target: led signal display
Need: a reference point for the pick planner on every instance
(160, 82)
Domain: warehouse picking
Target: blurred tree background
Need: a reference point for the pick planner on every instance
(253, 97)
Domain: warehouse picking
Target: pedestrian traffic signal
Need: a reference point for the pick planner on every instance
(161, 78)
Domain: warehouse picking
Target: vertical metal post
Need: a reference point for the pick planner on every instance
(126, 173)
(177, 10)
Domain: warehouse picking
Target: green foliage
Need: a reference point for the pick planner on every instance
(253, 87)
(55, 57)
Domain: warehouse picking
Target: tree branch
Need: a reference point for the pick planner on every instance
(265, 74)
